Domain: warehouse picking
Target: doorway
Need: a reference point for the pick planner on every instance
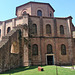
(50, 60)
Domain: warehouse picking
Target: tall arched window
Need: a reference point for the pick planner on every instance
(34, 29)
(49, 49)
(63, 49)
(39, 13)
(48, 29)
(61, 29)
(51, 14)
(0, 32)
(8, 29)
(35, 49)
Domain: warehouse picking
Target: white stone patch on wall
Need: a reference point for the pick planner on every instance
(69, 28)
(73, 34)
(19, 21)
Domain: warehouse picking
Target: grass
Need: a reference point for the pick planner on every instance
(33, 70)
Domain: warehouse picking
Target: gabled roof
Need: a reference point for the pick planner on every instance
(34, 3)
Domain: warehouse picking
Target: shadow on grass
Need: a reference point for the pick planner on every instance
(19, 69)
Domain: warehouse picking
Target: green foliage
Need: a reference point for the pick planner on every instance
(20, 35)
(26, 41)
(29, 46)
(25, 26)
(30, 28)
(33, 70)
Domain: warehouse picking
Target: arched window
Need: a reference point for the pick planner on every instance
(49, 49)
(15, 47)
(63, 49)
(24, 13)
(35, 49)
(61, 29)
(39, 13)
(48, 29)
(51, 14)
(34, 29)
(8, 29)
(0, 32)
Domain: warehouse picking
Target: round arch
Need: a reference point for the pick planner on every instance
(8, 29)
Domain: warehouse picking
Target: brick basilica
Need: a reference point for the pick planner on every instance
(36, 37)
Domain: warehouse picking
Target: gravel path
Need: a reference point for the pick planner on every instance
(68, 67)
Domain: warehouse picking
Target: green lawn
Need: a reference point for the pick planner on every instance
(33, 70)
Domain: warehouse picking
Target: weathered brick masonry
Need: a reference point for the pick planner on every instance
(34, 37)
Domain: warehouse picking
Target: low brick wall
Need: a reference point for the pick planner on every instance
(9, 60)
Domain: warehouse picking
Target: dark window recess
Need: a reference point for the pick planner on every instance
(48, 29)
(8, 29)
(51, 14)
(34, 29)
(63, 49)
(24, 13)
(61, 29)
(35, 49)
(39, 13)
(49, 49)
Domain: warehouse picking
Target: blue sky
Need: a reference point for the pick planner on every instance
(63, 8)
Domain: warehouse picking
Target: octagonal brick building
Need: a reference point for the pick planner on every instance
(51, 38)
